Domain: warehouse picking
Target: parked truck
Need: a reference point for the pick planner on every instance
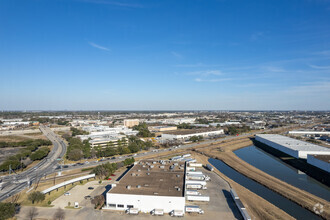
(194, 209)
(157, 212)
(132, 211)
(197, 177)
(177, 213)
(209, 167)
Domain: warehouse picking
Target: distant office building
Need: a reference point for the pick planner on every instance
(162, 128)
(131, 122)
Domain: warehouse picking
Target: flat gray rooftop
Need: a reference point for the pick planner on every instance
(292, 143)
(149, 177)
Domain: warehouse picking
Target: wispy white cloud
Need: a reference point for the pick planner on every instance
(98, 46)
(310, 88)
(114, 3)
(319, 67)
(212, 80)
(196, 65)
(177, 55)
(206, 73)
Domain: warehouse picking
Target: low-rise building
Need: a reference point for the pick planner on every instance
(149, 185)
(186, 134)
(131, 122)
(162, 128)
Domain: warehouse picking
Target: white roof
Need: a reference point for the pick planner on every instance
(292, 143)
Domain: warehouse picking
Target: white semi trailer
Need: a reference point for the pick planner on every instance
(196, 182)
(194, 209)
(195, 165)
(198, 198)
(193, 192)
(195, 186)
(191, 168)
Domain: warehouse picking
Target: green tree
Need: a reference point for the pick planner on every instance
(75, 154)
(7, 210)
(36, 196)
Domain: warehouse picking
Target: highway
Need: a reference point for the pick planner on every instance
(15, 183)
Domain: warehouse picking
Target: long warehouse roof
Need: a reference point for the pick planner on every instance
(292, 143)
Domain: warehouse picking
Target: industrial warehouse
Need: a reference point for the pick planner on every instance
(150, 185)
(290, 146)
(186, 134)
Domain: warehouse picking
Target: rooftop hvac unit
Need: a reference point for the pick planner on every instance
(146, 185)
(133, 174)
(178, 175)
(179, 189)
(155, 193)
(154, 162)
(148, 174)
(128, 187)
(138, 186)
(139, 170)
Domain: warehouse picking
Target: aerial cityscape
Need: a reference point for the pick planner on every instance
(140, 109)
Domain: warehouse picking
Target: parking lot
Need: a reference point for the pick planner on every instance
(79, 192)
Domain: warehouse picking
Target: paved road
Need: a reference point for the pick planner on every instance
(13, 184)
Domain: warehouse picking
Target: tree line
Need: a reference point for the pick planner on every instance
(31, 152)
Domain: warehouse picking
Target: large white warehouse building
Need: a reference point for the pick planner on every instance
(149, 185)
(291, 146)
(186, 134)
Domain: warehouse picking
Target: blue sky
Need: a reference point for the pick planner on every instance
(164, 55)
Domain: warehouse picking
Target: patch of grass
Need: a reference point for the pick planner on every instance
(87, 169)
(72, 207)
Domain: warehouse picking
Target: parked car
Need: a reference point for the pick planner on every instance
(113, 175)
(67, 194)
(90, 188)
(109, 179)
(87, 197)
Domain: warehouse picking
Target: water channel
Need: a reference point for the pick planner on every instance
(276, 199)
(279, 169)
